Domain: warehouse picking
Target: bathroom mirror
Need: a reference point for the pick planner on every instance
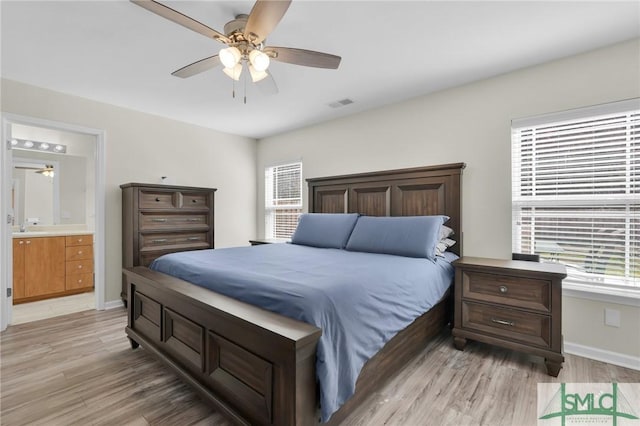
(48, 189)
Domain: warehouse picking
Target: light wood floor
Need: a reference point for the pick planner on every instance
(79, 369)
(49, 308)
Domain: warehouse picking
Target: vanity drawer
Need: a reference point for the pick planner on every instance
(513, 324)
(149, 222)
(79, 253)
(79, 267)
(75, 281)
(78, 240)
(520, 292)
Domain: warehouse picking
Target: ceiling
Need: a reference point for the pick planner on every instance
(121, 54)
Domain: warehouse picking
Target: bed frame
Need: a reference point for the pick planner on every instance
(258, 367)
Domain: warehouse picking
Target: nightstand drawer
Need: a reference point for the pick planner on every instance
(517, 325)
(507, 290)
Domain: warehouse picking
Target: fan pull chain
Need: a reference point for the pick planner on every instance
(233, 89)
(245, 85)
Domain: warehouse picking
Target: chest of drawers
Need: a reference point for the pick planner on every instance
(161, 219)
(514, 304)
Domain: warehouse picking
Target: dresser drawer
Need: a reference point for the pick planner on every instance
(78, 240)
(150, 222)
(75, 281)
(156, 200)
(79, 253)
(195, 201)
(79, 267)
(146, 257)
(185, 240)
(507, 290)
(526, 327)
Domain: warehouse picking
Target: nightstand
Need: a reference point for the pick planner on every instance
(260, 241)
(510, 303)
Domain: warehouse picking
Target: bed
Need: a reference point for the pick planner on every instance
(259, 367)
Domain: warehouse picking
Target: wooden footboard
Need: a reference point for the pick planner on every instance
(254, 366)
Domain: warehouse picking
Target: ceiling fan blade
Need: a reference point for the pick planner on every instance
(308, 58)
(197, 67)
(179, 18)
(264, 17)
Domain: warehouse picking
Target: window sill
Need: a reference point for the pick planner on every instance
(590, 291)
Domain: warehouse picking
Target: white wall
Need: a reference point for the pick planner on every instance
(141, 148)
(471, 124)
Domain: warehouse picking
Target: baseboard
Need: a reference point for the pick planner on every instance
(614, 358)
(113, 304)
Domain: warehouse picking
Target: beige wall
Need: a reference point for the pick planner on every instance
(141, 148)
(471, 124)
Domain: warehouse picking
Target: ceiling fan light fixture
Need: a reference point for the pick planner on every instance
(256, 75)
(259, 60)
(230, 56)
(234, 72)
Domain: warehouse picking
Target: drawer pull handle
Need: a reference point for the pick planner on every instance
(159, 240)
(157, 199)
(21, 242)
(193, 239)
(503, 322)
(79, 266)
(194, 201)
(193, 219)
(79, 240)
(503, 289)
(158, 220)
(28, 242)
(79, 281)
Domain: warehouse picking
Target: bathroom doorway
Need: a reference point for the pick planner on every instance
(53, 196)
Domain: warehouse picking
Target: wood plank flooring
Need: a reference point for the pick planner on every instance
(79, 369)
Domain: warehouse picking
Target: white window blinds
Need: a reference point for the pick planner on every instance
(576, 192)
(283, 199)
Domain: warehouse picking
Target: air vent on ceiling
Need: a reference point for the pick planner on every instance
(340, 103)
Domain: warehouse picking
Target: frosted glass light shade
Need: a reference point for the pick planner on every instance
(256, 75)
(229, 56)
(234, 72)
(259, 60)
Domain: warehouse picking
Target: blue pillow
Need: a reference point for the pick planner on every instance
(327, 230)
(410, 236)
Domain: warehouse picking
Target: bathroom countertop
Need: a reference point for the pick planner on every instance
(50, 233)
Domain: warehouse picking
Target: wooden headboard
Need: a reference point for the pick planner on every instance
(416, 191)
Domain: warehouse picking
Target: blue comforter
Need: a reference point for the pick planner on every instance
(359, 300)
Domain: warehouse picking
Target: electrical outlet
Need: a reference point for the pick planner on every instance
(612, 317)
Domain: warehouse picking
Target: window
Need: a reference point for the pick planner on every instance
(576, 192)
(283, 199)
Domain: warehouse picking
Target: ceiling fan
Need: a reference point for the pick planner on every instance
(245, 37)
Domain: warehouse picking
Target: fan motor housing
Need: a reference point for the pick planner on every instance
(236, 26)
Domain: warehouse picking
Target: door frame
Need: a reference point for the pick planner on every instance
(6, 247)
